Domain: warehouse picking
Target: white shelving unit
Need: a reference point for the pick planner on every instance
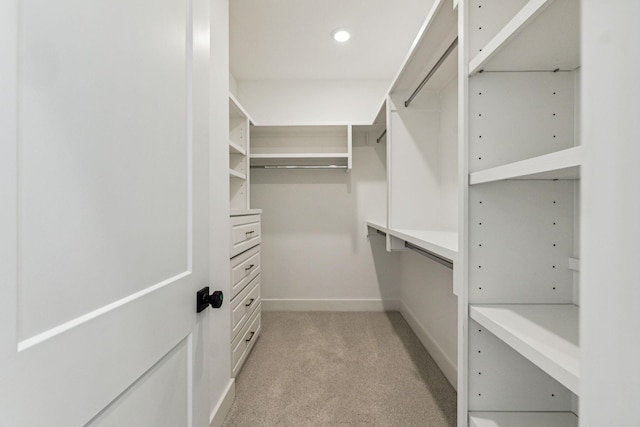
(239, 123)
(303, 146)
(519, 349)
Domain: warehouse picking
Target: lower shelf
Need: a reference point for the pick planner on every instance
(522, 419)
(546, 334)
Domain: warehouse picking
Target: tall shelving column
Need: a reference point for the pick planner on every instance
(520, 350)
(239, 123)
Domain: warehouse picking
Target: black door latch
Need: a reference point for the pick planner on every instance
(203, 299)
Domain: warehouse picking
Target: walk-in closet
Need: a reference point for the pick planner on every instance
(257, 213)
(456, 201)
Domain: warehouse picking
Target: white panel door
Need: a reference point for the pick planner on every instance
(103, 211)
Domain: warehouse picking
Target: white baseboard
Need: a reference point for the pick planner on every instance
(221, 410)
(330, 305)
(446, 365)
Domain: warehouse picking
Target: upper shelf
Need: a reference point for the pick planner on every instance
(522, 419)
(563, 164)
(546, 334)
(436, 34)
(543, 36)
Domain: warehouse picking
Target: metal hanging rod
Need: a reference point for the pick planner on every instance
(429, 255)
(378, 139)
(299, 167)
(432, 72)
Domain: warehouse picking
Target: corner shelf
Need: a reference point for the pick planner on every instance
(564, 164)
(543, 35)
(545, 334)
(522, 419)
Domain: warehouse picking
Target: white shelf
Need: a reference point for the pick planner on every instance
(236, 149)
(441, 243)
(236, 174)
(564, 164)
(299, 155)
(438, 30)
(545, 334)
(242, 212)
(543, 35)
(522, 419)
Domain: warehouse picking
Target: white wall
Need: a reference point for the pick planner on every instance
(312, 101)
(428, 304)
(315, 253)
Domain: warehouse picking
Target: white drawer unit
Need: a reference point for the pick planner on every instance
(244, 272)
(244, 268)
(244, 341)
(243, 305)
(245, 233)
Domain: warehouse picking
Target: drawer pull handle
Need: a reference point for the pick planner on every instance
(249, 233)
(249, 267)
(250, 302)
(250, 337)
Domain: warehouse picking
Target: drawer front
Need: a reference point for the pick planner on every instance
(244, 268)
(245, 233)
(243, 305)
(243, 343)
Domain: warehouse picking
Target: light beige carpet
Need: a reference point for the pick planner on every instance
(340, 369)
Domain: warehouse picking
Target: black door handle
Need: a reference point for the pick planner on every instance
(203, 299)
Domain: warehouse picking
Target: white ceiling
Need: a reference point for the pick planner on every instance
(291, 39)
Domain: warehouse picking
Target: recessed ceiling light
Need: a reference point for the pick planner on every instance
(341, 35)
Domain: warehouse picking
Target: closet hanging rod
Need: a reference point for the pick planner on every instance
(378, 139)
(424, 81)
(429, 255)
(298, 167)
